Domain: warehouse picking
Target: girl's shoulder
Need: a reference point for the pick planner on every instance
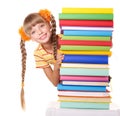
(39, 50)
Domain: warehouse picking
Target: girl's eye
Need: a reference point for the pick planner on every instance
(42, 25)
(32, 32)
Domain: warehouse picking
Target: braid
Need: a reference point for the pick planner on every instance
(23, 51)
(54, 37)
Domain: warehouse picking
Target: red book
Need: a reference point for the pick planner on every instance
(93, 23)
(85, 78)
(85, 42)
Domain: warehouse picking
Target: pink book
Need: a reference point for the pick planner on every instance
(85, 78)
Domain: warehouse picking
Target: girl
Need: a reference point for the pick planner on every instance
(41, 28)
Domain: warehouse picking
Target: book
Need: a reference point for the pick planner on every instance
(84, 105)
(88, 59)
(84, 47)
(85, 28)
(87, 10)
(99, 38)
(84, 71)
(84, 65)
(86, 52)
(85, 42)
(86, 16)
(87, 33)
(84, 93)
(85, 78)
(84, 99)
(86, 23)
(81, 88)
(76, 82)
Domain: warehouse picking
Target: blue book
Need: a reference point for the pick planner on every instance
(87, 33)
(81, 88)
(88, 59)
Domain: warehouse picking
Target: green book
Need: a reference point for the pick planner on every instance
(102, 38)
(86, 16)
(84, 105)
(89, 48)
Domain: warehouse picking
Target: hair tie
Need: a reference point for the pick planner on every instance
(46, 14)
(23, 35)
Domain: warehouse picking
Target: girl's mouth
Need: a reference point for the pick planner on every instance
(43, 36)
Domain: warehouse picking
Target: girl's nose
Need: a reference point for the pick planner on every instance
(39, 32)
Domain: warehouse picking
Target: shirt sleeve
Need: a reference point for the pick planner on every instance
(40, 61)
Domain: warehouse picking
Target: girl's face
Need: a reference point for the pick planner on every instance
(41, 33)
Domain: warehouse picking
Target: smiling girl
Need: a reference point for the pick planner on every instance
(41, 28)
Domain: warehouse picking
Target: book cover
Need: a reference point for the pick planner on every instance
(84, 99)
(86, 28)
(85, 78)
(81, 88)
(84, 93)
(88, 59)
(84, 71)
(77, 48)
(86, 52)
(84, 65)
(87, 33)
(99, 38)
(84, 105)
(85, 42)
(87, 10)
(86, 16)
(76, 82)
(87, 23)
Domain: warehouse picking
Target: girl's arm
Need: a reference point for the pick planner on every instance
(54, 74)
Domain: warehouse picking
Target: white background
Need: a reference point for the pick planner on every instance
(38, 90)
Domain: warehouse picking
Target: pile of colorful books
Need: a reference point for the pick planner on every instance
(86, 41)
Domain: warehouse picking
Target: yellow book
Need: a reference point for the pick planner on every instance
(87, 52)
(85, 99)
(87, 10)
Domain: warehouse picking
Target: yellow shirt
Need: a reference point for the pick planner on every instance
(43, 59)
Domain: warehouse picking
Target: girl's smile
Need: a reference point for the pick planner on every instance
(43, 36)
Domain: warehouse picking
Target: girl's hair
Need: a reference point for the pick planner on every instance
(30, 21)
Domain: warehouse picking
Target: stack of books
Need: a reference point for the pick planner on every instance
(86, 40)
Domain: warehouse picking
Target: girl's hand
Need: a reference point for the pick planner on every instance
(60, 57)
